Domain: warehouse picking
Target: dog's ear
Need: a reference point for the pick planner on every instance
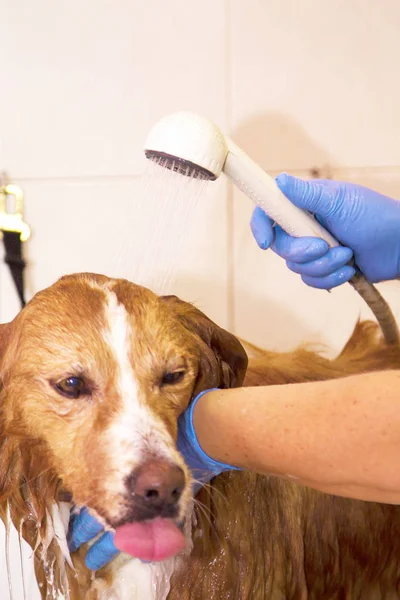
(223, 360)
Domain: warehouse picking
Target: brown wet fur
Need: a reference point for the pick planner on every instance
(269, 539)
(256, 538)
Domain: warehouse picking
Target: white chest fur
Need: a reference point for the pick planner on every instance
(135, 580)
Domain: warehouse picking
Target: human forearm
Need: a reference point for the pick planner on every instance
(340, 436)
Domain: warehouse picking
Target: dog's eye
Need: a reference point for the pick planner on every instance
(172, 378)
(72, 387)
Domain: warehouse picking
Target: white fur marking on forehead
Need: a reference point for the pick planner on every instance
(136, 430)
(119, 339)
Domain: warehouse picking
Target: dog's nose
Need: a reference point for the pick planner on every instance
(158, 484)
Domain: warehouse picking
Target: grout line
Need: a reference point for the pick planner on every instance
(76, 179)
(370, 170)
(334, 171)
(230, 216)
(230, 219)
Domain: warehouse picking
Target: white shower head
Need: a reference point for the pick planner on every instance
(188, 143)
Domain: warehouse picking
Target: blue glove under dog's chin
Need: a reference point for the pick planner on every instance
(84, 527)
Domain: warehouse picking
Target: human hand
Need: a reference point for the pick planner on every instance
(83, 528)
(364, 222)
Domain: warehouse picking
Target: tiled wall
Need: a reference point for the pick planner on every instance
(298, 85)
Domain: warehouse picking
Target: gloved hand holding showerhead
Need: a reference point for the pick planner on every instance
(193, 146)
(360, 218)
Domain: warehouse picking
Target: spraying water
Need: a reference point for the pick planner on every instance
(167, 208)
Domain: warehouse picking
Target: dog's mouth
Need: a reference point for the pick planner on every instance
(153, 540)
(151, 535)
(150, 531)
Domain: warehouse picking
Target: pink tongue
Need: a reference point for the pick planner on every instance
(157, 539)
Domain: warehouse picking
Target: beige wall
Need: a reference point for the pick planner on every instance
(299, 85)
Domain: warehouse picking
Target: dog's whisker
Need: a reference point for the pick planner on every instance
(213, 510)
(208, 517)
(32, 479)
(211, 489)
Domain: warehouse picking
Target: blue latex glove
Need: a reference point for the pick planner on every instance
(359, 218)
(84, 527)
(202, 467)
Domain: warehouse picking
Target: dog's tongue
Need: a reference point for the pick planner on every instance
(153, 540)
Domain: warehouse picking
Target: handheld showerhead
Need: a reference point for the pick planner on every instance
(192, 145)
(189, 144)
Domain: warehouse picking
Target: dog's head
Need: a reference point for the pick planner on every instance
(98, 370)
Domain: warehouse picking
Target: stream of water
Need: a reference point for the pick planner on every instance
(167, 209)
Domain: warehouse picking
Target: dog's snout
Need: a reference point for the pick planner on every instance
(158, 484)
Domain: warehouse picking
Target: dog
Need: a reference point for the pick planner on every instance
(94, 373)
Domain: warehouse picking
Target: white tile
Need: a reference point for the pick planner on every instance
(275, 309)
(315, 82)
(384, 181)
(83, 82)
(115, 229)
